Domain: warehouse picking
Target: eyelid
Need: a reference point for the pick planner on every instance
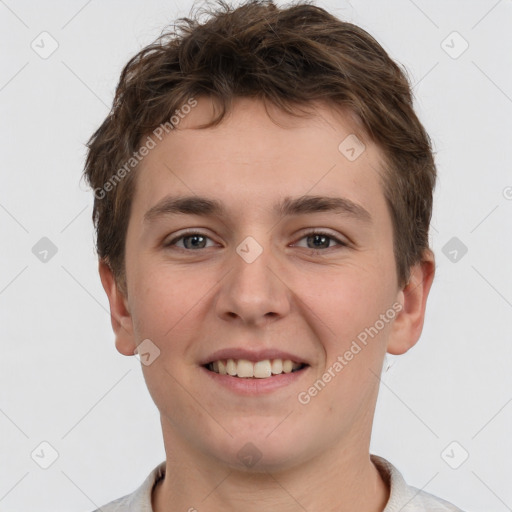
(178, 236)
(320, 231)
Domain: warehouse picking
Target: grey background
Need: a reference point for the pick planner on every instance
(62, 381)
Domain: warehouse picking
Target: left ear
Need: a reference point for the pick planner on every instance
(408, 324)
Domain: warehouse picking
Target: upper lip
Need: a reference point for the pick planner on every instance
(251, 355)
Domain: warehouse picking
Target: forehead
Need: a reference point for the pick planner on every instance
(258, 155)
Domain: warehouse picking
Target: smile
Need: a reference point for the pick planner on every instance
(244, 368)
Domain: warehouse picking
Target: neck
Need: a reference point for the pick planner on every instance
(339, 479)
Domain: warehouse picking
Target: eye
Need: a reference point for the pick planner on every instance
(191, 240)
(196, 240)
(321, 240)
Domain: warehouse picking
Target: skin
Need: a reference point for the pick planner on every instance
(192, 301)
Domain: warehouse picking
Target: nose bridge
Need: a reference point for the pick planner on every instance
(252, 291)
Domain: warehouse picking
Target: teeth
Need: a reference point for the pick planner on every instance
(259, 370)
(277, 366)
(222, 368)
(230, 367)
(287, 366)
(262, 369)
(244, 368)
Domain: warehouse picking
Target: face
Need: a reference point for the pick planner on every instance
(261, 243)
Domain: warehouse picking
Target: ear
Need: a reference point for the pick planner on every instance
(119, 313)
(408, 323)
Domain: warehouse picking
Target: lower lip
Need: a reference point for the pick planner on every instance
(253, 386)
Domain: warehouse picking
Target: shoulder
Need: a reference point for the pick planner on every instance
(140, 499)
(118, 505)
(406, 498)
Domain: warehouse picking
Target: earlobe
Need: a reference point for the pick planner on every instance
(408, 324)
(119, 313)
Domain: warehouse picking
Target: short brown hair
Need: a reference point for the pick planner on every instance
(289, 56)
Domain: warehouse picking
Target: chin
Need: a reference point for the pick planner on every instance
(259, 449)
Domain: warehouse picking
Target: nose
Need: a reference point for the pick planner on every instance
(253, 291)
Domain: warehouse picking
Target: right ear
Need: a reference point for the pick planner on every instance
(120, 316)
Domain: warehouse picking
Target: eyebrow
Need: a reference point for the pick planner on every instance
(204, 206)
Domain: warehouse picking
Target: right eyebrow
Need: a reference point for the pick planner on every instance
(191, 205)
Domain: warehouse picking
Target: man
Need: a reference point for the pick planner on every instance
(263, 193)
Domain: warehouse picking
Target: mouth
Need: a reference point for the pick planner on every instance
(245, 369)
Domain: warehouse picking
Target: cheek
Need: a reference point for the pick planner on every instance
(345, 301)
(164, 301)
(353, 338)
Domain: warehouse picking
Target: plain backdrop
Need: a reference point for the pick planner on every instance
(444, 414)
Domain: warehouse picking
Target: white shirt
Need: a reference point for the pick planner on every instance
(402, 498)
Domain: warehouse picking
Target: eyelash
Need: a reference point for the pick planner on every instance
(305, 235)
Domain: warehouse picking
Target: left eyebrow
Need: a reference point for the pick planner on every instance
(317, 204)
(197, 205)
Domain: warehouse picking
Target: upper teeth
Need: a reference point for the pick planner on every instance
(260, 369)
